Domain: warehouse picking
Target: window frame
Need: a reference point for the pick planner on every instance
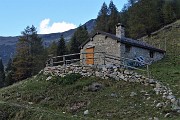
(127, 48)
(151, 54)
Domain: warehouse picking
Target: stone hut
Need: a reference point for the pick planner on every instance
(117, 45)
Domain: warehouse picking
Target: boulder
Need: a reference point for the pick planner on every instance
(95, 87)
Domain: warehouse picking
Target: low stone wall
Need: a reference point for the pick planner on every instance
(106, 72)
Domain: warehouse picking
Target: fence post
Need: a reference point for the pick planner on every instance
(148, 71)
(64, 60)
(83, 59)
(51, 62)
(104, 58)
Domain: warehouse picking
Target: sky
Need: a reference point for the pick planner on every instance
(48, 16)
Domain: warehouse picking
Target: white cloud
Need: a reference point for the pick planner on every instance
(46, 28)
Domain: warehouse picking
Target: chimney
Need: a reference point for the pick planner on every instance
(120, 32)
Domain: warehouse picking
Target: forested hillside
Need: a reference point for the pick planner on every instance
(140, 17)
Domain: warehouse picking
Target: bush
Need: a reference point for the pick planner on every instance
(67, 80)
(70, 78)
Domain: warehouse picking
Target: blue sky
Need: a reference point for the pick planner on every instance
(48, 16)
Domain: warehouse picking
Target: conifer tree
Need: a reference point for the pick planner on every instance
(9, 72)
(2, 74)
(74, 45)
(114, 18)
(9, 65)
(29, 59)
(61, 48)
(52, 49)
(169, 11)
(102, 19)
(80, 36)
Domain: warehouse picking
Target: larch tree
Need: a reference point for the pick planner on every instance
(30, 58)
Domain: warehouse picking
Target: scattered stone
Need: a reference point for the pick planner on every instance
(155, 118)
(160, 105)
(49, 78)
(151, 81)
(113, 95)
(167, 115)
(30, 103)
(133, 94)
(86, 112)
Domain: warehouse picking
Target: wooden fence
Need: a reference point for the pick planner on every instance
(107, 58)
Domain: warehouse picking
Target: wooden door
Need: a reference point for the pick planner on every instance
(90, 56)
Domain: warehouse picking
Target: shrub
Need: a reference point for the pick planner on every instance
(67, 80)
(70, 78)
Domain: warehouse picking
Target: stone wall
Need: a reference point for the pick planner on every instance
(102, 43)
(109, 72)
(137, 51)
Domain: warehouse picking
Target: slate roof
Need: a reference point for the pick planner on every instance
(125, 40)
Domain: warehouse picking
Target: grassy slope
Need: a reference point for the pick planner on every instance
(168, 69)
(37, 99)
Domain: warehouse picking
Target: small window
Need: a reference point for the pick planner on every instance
(127, 48)
(151, 54)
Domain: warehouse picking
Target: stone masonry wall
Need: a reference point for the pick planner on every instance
(145, 53)
(106, 72)
(101, 43)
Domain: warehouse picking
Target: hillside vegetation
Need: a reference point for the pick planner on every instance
(168, 69)
(41, 99)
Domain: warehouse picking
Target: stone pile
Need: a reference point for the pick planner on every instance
(117, 73)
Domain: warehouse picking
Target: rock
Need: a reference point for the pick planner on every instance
(173, 100)
(86, 112)
(155, 118)
(169, 97)
(95, 87)
(49, 78)
(167, 115)
(126, 72)
(121, 77)
(160, 105)
(133, 94)
(151, 81)
(148, 98)
(104, 68)
(70, 72)
(30, 103)
(113, 95)
(158, 85)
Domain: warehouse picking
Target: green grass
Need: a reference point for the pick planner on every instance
(168, 69)
(37, 98)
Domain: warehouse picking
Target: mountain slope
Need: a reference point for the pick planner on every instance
(8, 44)
(168, 69)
